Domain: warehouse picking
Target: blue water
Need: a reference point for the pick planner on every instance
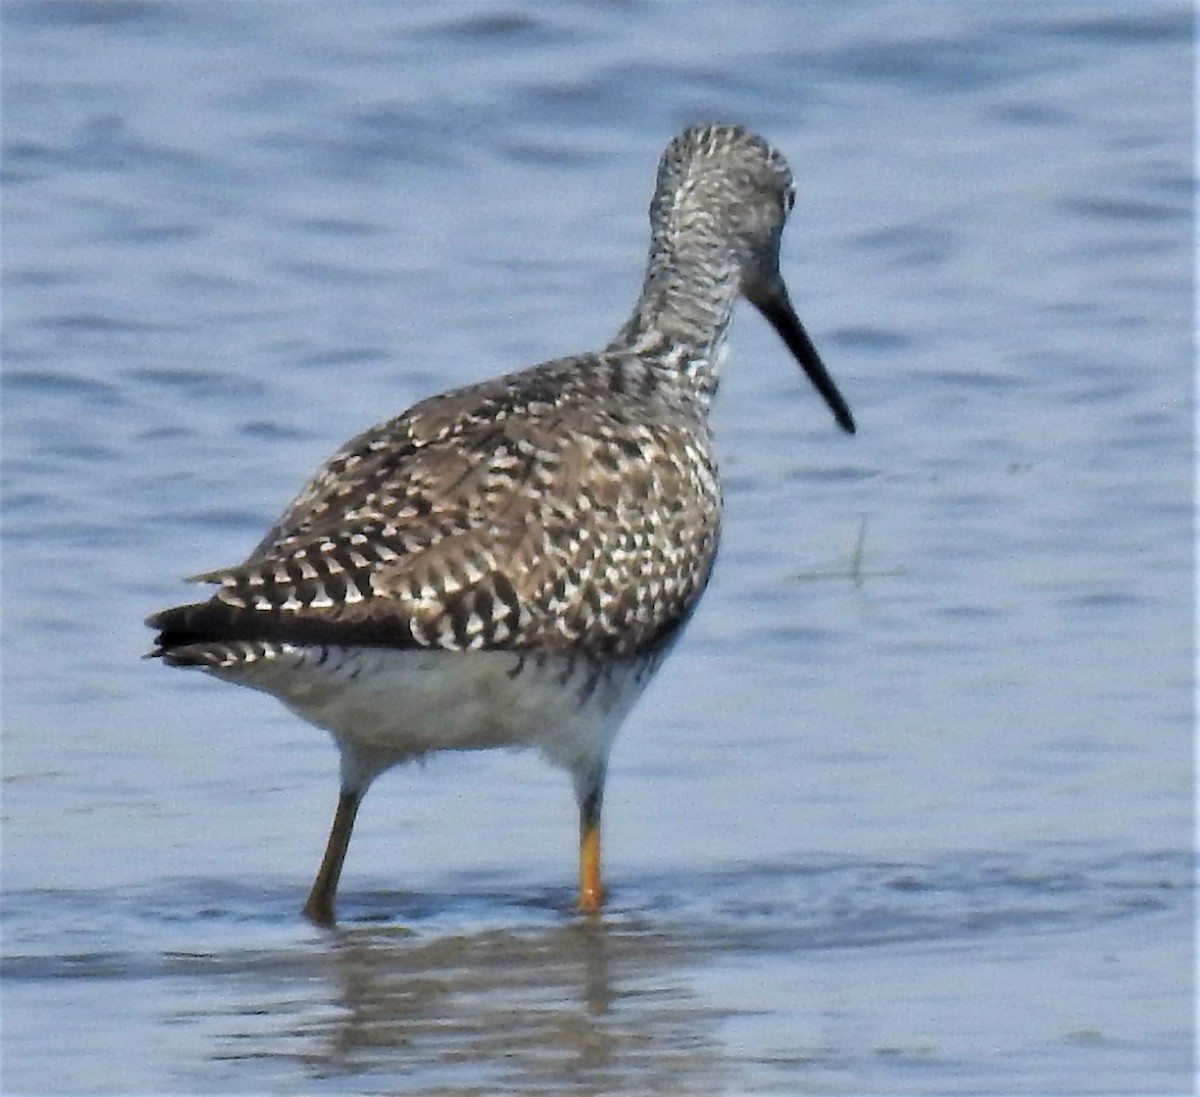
(910, 810)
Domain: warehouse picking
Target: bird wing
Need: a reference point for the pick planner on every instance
(517, 514)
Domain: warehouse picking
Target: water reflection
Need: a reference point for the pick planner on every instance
(473, 995)
(586, 1006)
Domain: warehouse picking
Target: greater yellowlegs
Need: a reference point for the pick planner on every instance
(508, 564)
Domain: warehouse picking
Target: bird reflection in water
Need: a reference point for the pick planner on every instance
(591, 1006)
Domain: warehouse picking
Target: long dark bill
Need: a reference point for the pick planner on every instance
(782, 317)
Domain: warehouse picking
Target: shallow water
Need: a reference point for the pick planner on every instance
(910, 808)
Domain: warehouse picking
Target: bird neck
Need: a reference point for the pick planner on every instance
(683, 312)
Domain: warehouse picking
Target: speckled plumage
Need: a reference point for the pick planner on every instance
(535, 541)
(545, 511)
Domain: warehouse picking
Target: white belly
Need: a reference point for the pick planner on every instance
(384, 706)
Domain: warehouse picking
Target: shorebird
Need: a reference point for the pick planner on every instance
(508, 564)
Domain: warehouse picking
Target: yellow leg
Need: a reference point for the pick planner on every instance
(319, 906)
(591, 890)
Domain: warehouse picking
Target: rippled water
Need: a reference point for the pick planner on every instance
(910, 808)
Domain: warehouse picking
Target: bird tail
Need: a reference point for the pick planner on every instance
(190, 636)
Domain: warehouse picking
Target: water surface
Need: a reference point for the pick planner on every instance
(910, 808)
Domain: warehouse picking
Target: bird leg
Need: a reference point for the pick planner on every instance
(591, 890)
(319, 905)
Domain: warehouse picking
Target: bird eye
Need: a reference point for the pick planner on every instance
(789, 199)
